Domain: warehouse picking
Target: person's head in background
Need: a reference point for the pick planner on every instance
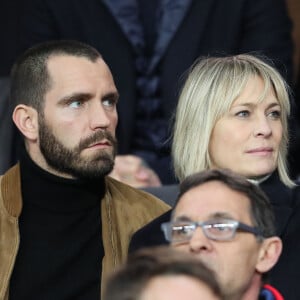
(227, 223)
(162, 273)
(65, 107)
(232, 113)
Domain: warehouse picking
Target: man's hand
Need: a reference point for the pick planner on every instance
(134, 171)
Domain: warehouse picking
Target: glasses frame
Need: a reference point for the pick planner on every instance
(167, 229)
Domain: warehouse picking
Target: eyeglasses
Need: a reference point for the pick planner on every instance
(218, 230)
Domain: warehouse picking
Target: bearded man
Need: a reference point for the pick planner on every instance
(65, 224)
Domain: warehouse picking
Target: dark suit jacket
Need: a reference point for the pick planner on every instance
(286, 204)
(209, 27)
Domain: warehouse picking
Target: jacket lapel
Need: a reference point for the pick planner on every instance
(10, 209)
(171, 15)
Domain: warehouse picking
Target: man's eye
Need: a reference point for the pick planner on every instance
(219, 228)
(75, 104)
(180, 230)
(109, 102)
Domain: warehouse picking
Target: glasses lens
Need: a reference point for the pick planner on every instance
(220, 231)
(182, 232)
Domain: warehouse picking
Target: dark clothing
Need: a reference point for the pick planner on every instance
(149, 45)
(58, 211)
(186, 30)
(287, 269)
(123, 211)
(286, 204)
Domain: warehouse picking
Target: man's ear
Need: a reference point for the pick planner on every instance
(269, 254)
(26, 119)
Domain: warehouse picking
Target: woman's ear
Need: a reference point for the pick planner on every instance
(269, 254)
(26, 119)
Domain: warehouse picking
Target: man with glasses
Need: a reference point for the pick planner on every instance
(228, 223)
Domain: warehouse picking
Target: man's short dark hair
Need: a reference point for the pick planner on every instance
(261, 211)
(30, 79)
(129, 281)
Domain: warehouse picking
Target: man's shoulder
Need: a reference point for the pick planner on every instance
(10, 191)
(132, 195)
(132, 205)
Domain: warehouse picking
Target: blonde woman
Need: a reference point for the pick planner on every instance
(232, 113)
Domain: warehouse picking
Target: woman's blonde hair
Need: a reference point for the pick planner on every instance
(211, 87)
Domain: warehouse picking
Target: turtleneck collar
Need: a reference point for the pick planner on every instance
(258, 181)
(55, 193)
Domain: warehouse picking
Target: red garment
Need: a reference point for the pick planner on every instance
(275, 292)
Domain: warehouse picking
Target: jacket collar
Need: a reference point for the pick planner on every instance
(170, 16)
(11, 190)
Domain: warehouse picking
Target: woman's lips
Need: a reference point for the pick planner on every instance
(260, 151)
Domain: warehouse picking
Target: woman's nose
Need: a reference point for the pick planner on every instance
(262, 126)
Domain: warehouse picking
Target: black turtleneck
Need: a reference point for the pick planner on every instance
(61, 248)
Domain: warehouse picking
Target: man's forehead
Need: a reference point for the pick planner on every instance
(214, 215)
(62, 55)
(70, 72)
(213, 198)
(67, 61)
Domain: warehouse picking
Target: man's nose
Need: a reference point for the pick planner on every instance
(98, 116)
(199, 241)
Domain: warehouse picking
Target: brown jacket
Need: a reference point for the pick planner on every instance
(123, 208)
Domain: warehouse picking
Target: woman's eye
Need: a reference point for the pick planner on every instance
(275, 114)
(243, 113)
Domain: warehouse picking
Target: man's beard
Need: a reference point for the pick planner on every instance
(69, 161)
